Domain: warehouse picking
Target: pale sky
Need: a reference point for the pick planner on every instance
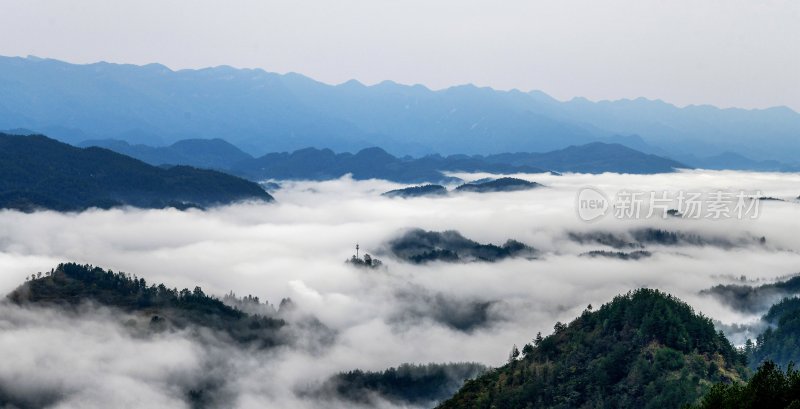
(742, 53)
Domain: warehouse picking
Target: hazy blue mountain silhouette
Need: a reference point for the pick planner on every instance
(594, 157)
(735, 161)
(702, 130)
(37, 172)
(376, 163)
(370, 163)
(201, 153)
(266, 112)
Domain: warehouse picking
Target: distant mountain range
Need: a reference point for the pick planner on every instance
(266, 112)
(321, 164)
(40, 173)
(735, 161)
(201, 153)
(595, 157)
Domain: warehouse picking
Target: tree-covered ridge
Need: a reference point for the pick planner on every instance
(621, 255)
(408, 384)
(642, 237)
(645, 349)
(73, 284)
(37, 172)
(498, 185)
(780, 342)
(417, 191)
(504, 184)
(769, 388)
(754, 299)
(421, 246)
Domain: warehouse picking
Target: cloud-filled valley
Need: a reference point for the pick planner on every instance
(369, 319)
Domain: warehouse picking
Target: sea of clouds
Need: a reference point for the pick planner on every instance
(296, 248)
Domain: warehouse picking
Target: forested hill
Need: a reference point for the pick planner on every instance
(645, 349)
(37, 172)
(158, 307)
(408, 385)
(779, 342)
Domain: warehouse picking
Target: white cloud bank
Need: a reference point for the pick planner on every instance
(296, 248)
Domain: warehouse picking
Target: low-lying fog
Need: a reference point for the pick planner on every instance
(296, 248)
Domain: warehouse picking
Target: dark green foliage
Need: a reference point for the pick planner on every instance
(457, 313)
(417, 191)
(658, 236)
(645, 349)
(72, 284)
(639, 238)
(407, 384)
(420, 246)
(498, 185)
(633, 255)
(674, 213)
(769, 388)
(674, 238)
(754, 299)
(366, 262)
(249, 304)
(38, 172)
(604, 238)
(781, 342)
(434, 255)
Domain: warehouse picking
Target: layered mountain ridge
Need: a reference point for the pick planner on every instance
(267, 112)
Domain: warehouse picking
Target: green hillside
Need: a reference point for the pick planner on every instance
(645, 349)
(157, 307)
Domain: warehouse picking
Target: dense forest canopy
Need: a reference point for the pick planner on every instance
(417, 191)
(408, 384)
(70, 285)
(639, 238)
(754, 299)
(421, 246)
(645, 349)
(505, 184)
(769, 388)
(780, 342)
